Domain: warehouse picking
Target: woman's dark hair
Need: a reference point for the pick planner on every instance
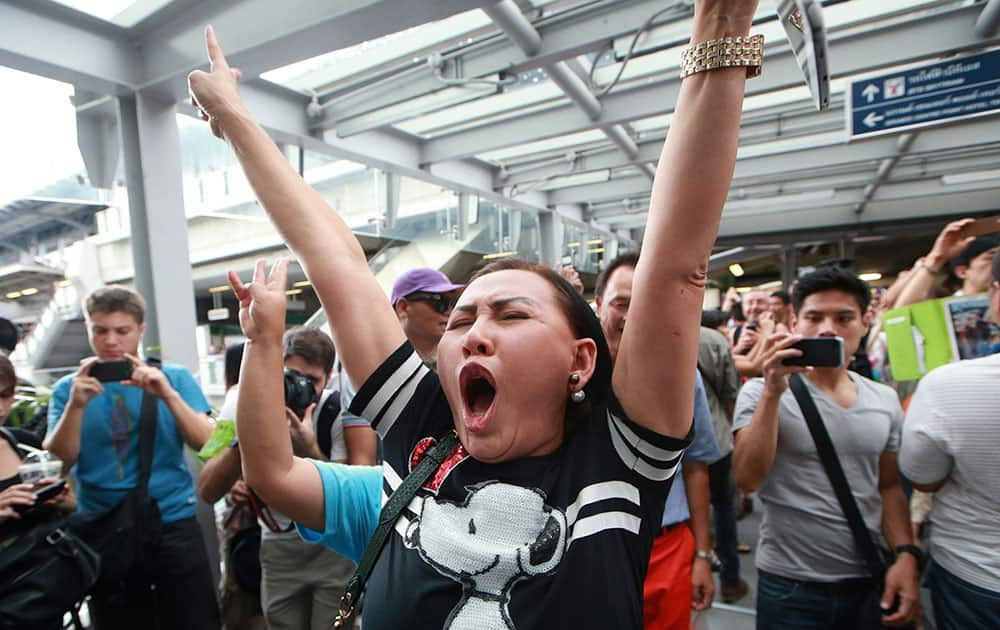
(8, 335)
(713, 318)
(234, 358)
(7, 374)
(831, 279)
(582, 321)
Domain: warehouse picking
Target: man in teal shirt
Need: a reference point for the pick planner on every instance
(94, 428)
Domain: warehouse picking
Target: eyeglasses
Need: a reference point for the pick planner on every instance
(439, 302)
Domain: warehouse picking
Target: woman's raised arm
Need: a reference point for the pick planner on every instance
(364, 327)
(654, 375)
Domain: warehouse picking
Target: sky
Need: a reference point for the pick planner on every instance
(38, 133)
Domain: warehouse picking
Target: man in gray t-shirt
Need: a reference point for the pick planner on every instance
(811, 573)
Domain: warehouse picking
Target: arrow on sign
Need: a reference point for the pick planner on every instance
(872, 120)
(870, 92)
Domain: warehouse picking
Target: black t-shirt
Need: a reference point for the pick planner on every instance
(557, 541)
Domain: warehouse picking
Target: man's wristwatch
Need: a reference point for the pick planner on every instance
(913, 550)
(704, 554)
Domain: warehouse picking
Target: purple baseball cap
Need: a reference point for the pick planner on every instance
(422, 279)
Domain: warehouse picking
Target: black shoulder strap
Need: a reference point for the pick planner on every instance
(831, 463)
(325, 418)
(147, 433)
(387, 520)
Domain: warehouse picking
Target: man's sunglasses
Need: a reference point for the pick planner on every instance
(439, 302)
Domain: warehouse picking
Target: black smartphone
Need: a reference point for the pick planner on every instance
(44, 494)
(107, 371)
(819, 352)
(49, 492)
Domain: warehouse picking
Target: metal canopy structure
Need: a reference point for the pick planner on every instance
(555, 106)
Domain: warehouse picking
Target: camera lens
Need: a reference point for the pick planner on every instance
(299, 392)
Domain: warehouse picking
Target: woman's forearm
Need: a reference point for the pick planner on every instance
(261, 427)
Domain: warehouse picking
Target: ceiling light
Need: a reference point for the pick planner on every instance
(737, 270)
(743, 289)
(498, 255)
(954, 179)
(219, 289)
(29, 291)
(599, 250)
(302, 283)
(871, 277)
(293, 291)
(13, 295)
(65, 283)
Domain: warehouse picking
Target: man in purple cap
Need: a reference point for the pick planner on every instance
(423, 299)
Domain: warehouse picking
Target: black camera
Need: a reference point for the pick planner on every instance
(299, 391)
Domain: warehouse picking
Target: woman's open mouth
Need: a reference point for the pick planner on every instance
(478, 396)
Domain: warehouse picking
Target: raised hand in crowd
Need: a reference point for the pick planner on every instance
(216, 93)
(573, 277)
(262, 302)
(917, 285)
(949, 244)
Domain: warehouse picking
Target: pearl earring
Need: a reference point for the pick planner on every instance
(578, 396)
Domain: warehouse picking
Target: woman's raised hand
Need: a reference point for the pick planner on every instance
(215, 93)
(262, 302)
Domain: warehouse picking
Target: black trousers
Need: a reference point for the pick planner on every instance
(181, 596)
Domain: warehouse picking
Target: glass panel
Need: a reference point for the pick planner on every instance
(527, 235)
(592, 251)
(126, 13)
(321, 72)
(573, 237)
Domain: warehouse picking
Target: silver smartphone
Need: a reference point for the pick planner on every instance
(803, 24)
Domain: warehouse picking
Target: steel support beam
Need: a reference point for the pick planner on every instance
(278, 34)
(69, 49)
(151, 144)
(98, 139)
(851, 52)
(903, 144)
(507, 15)
(989, 19)
(565, 35)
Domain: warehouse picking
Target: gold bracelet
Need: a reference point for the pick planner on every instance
(726, 52)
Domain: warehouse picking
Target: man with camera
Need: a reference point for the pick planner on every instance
(811, 571)
(94, 424)
(301, 583)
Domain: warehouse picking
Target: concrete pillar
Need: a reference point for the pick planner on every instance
(789, 266)
(151, 145)
(551, 229)
(391, 192)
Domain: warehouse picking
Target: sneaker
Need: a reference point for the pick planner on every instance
(735, 592)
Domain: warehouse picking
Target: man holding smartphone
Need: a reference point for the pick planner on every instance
(94, 428)
(811, 573)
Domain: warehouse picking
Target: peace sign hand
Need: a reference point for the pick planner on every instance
(262, 302)
(215, 93)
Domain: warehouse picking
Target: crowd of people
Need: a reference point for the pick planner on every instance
(586, 462)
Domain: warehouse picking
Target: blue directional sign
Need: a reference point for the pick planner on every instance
(936, 93)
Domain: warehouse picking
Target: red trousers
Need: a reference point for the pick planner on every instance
(667, 591)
